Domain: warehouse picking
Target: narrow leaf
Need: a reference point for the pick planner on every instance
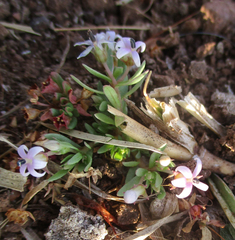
(112, 96)
(96, 73)
(130, 164)
(104, 118)
(84, 85)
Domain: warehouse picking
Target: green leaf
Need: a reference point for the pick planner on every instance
(130, 174)
(60, 138)
(118, 156)
(90, 129)
(162, 193)
(152, 160)
(84, 85)
(87, 145)
(66, 158)
(104, 118)
(75, 159)
(117, 72)
(57, 79)
(112, 96)
(134, 80)
(58, 175)
(134, 181)
(103, 106)
(225, 191)
(139, 70)
(130, 164)
(224, 196)
(110, 59)
(105, 148)
(55, 112)
(158, 180)
(227, 232)
(97, 74)
(73, 123)
(140, 172)
(81, 167)
(88, 163)
(133, 89)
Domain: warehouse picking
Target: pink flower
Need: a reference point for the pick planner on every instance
(186, 179)
(31, 159)
(127, 51)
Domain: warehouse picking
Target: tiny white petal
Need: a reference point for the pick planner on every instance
(23, 169)
(34, 173)
(39, 164)
(140, 44)
(122, 52)
(85, 52)
(21, 151)
(198, 167)
(34, 151)
(136, 58)
(179, 182)
(87, 42)
(185, 171)
(201, 186)
(186, 192)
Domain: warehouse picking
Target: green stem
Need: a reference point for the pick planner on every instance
(114, 82)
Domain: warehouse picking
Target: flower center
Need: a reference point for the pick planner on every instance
(132, 41)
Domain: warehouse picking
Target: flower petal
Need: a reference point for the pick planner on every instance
(21, 151)
(87, 42)
(185, 171)
(179, 182)
(40, 161)
(198, 167)
(202, 186)
(140, 44)
(187, 190)
(136, 58)
(122, 52)
(127, 42)
(85, 52)
(34, 151)
(34, 173)
(23, 169)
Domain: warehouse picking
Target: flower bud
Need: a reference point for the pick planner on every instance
(59, 148)
(130, 196)
(165, 160)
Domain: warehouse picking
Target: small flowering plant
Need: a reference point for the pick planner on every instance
(63, 109)
(185, 179)
(32, 159)
(117, 56)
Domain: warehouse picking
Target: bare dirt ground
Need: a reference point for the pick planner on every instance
(189, 44)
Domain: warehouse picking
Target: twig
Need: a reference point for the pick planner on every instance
(13, 109)
(137, 28)
(65, 53)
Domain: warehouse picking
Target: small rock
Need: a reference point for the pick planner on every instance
(205, 50)
(218, 15)
(127, 214)
(75, 224)
(198, 70)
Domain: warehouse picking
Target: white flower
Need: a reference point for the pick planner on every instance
(128, 47)
(94, 41)
(32, 159)
(186, 179)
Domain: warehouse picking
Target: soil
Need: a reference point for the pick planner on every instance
(189, 44)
